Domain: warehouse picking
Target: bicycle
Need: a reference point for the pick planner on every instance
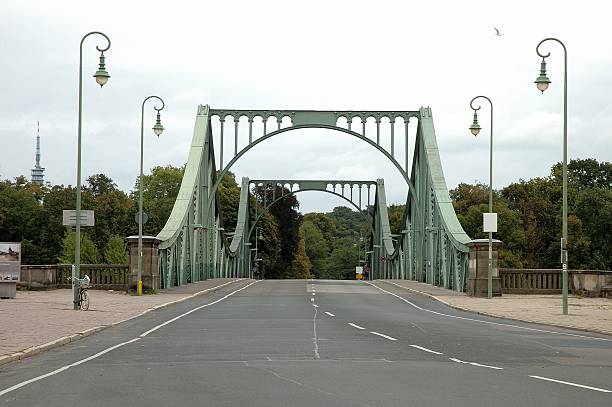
(83, 302)
(83, 286)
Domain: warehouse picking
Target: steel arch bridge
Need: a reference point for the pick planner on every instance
(431, 247)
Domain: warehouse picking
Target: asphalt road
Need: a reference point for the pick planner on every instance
(317, 343)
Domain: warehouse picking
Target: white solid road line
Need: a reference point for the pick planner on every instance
(61, 369)
(572, 384)
(330, 314)
(356, 326)
(486, 322)
(384, 336)
(476, 364)
(142, 335)
(87, 359)
(427, 350)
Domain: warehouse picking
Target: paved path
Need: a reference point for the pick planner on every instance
(38, 317)
(317, 343)
(591, 314)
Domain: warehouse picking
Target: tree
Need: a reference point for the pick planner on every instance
(316, 247)
(116, 251)
(89, 251)
(288, 220)
(160, 190)
(228, 197)
(301, 264)
(396, 216)
(112, 209)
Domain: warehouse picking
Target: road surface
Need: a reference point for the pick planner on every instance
(317, 343)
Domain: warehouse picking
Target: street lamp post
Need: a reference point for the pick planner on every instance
(542, 82)
(258, 233)
(158, 129)
(101, 76)
(475, 129)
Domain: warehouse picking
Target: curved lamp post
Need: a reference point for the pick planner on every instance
(542, 82)
(475, 129)
(158, 129)
(101, 78)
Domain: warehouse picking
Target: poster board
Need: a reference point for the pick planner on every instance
(10, 262)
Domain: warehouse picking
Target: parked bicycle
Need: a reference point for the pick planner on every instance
(83, 287)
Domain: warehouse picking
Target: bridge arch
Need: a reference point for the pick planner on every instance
(267, 136)
(248, 237)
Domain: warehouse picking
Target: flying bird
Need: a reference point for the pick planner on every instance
(497, 32)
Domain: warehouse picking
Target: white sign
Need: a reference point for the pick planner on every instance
(489, 222)
(359, 270)
(10, 262)
(69, 218)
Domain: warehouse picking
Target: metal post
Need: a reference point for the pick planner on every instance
(140, 189)
(77, 237)
(564, 254)
(490, 262)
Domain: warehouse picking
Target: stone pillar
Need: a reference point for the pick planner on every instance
(150, 270)
(479, 266)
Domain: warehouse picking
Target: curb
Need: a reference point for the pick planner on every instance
(488, 314)
(16, 356)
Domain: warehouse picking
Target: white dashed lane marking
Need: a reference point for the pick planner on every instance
(384, 336)
(572, 384)
(476, 364)
(330, 314)
(356, 326)
(427, 350)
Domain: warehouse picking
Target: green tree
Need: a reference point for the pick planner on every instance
(161, 188)
(116, 251)
(89, 251)
(301, 264)
(112, 209)
(316, 247)
(288, 220)
(396, 216)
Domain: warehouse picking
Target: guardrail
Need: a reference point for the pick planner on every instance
(530, 281)
(103, 276)
(592, 283)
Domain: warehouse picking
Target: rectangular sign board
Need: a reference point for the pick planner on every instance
(10, 262)
(69, 218)
(489, 222)
(359, 270)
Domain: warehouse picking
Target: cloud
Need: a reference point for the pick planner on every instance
(323, 55)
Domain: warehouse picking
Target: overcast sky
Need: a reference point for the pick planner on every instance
(336, 55)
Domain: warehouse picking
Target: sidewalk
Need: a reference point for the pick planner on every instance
(587, 314)
(40, 320)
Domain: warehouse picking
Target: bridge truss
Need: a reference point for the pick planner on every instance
(430, 247)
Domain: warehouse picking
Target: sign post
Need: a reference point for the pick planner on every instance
(69, 218)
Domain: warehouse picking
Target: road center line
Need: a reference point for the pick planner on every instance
(427, 350)
(568, 383)
(486, 322)
(61, 369)
(315, 339)
(330, 314)
(356, 326)
(384, 336)
(142, 335)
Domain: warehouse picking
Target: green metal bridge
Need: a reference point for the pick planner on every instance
(430, 248)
